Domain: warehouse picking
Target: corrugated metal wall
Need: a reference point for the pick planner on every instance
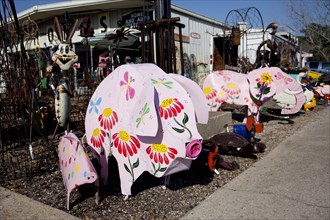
(196, 47)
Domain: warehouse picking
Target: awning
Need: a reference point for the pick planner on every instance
(101, 38)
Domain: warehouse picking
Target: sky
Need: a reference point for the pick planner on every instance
(270, 10)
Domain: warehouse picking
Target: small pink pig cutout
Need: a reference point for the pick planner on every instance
(76, 167)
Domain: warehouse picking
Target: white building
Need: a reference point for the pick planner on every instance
(105, 16)
(203, 38)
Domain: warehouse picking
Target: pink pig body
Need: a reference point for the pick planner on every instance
(75, 165)
(146, 120)
(252, 89)
(323, 90)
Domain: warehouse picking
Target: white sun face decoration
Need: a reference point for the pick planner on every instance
(65, 56)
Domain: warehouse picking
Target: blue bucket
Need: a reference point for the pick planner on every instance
(241, 130)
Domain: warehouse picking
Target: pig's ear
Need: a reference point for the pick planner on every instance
(196, 95)
(138, 99)
(145, 116)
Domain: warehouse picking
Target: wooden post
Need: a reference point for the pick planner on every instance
(173, 49)
(181, 50)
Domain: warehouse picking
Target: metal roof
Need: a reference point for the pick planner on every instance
(46, 11)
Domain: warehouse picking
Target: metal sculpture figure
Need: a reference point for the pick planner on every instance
(253, 89)
(65, 57)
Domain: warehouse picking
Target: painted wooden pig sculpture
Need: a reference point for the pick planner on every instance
(252, 89)
(76, 167)
(286, 100)
(324, 92)
(147, 121)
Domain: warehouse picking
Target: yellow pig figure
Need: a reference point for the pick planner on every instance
(310, 105)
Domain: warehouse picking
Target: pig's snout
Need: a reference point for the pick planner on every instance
(193, 148)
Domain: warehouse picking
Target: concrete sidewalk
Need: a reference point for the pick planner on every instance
(291, 182)
(15, 206)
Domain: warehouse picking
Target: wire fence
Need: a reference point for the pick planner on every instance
(27, 115)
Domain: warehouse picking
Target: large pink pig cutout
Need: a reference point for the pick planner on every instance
(75, 165)
(146, 120)
(252, 89)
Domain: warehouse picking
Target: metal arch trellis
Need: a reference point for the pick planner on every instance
(21, 129)
(250, 15)
(251, 18)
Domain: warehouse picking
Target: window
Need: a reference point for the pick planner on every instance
(313, 65)
(326, 66)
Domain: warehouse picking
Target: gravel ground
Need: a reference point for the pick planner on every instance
(149, 200)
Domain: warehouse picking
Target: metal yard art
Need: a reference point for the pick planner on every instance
(146, 121)
(64, 57)
(27, 103)
(22, 129)
(324, 92)
(76, 166)
(252, 89)
(142, 116)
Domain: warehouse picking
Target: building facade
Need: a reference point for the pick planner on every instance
(107, 16)
(205, 41)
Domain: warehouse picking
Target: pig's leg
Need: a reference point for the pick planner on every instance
(68, 201)
(97, 194)
(166, 181)
(104, 167)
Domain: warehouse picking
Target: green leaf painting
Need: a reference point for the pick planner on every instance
(136, 164)
(185, 119)
(127, 169)
(267, 90)
(144, 112)
(178, 130)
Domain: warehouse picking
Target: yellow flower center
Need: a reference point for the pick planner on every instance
(166, 103)
(107, 112)
(124, 136)
(231, 86)
(96, 132)
(266, 78)
(160, 148)
(221, 94)
(207, 90)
